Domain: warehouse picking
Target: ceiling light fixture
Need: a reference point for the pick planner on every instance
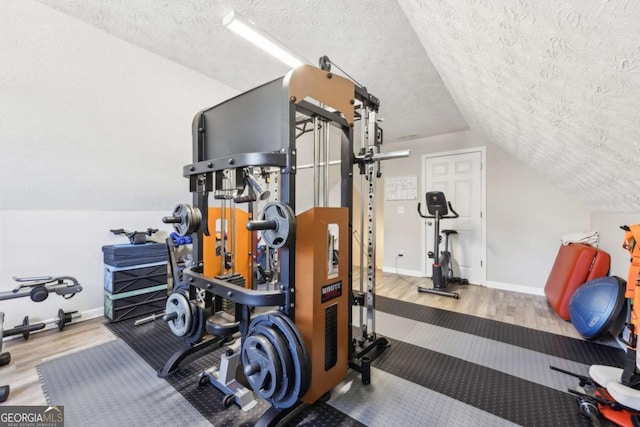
(246, 29)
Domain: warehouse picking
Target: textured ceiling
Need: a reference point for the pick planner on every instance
(557, 84)
(371, 40)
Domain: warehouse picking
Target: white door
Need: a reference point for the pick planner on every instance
(459, 177)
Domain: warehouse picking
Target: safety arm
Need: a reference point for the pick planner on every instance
(233, 292)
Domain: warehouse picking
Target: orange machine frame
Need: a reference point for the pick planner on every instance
(313, 285)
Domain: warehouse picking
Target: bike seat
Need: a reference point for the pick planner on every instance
(447, 232)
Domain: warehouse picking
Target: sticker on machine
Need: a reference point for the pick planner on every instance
(331, 291)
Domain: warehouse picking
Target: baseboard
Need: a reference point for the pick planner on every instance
(403, 271)
(92, 314)
(515, 288)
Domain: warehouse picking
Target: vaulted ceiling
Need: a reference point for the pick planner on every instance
(556, 84)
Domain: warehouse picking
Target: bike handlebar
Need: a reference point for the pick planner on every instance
(455, 214)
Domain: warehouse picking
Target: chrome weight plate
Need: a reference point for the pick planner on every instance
(179, 312)
(198, 318)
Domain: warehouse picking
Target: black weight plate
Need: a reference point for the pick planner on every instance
(280, 345)
(258, 350)
(299, 356)
(198, 326)
(62, 320)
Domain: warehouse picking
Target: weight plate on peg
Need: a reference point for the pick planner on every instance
(300, 376)
(197, 325)
(190, 219)
(196, 330)
(300, 357)
(285, 220)
(261, 365)
(282, 351)
(180, 324)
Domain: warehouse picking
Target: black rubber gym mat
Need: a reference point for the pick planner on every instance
(589, 353)
(155, 343)
(519, 401)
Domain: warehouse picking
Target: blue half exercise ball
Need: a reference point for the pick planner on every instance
(597, 306)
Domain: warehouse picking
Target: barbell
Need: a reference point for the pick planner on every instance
(26, 328)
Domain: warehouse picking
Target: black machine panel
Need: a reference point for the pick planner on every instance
(253, 122)
(330, 337)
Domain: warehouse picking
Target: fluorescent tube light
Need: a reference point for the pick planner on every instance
(238, 24)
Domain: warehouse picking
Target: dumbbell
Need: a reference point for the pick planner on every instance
(25, 329)
(179, 240)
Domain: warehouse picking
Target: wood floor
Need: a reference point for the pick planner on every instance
(521, 309)
(531, 311)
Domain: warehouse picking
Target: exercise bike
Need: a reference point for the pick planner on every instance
(442, 271)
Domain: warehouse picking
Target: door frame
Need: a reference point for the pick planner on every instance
(483, 205)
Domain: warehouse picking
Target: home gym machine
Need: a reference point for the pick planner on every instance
(300, 349)
(442, 270)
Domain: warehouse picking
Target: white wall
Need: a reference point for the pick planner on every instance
(93, 133)
(526, 216)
